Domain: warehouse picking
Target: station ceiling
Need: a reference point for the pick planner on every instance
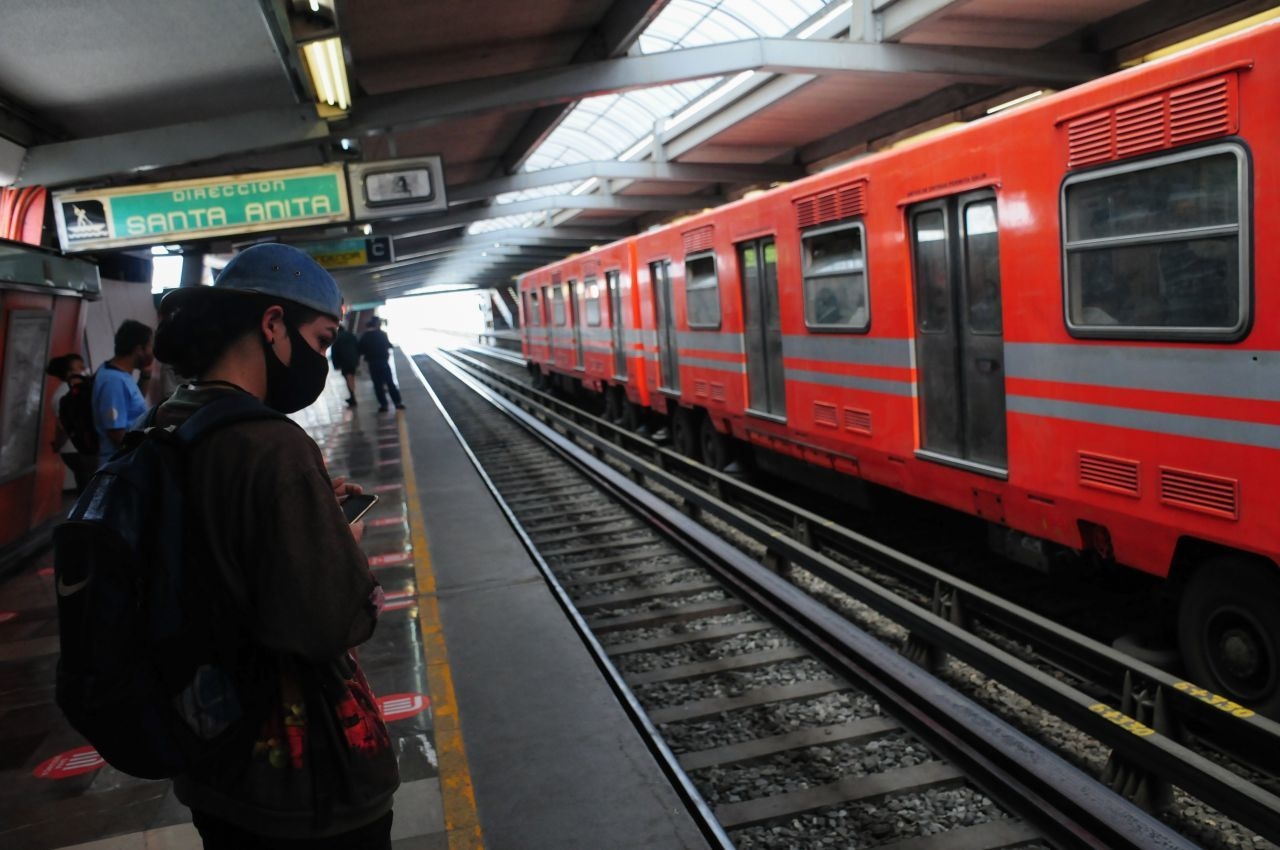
(561, 123)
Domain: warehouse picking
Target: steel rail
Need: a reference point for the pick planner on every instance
(1232, 727)
(1075, 810)
(1141, 745)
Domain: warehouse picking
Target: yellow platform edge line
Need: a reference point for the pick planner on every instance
(461, 818)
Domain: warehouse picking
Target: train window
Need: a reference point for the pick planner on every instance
(531, 309)
(982, 267)
(835, 279)
(702, 291)
(591, 301)
(933, 281)
(557, 304)
(1159, 249)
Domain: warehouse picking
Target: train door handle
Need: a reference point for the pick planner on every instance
(988, 365)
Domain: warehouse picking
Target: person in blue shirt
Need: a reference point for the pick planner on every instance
(117, 401)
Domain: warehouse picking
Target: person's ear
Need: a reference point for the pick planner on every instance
(272, 323)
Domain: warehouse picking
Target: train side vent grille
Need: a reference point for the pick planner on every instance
(700, 389)
(699, 239)
(858, 421)
(591, 269)
(1203, 110)
(1195, 491)
(825, 414)
(1200, 110)
(835, 204)
(717, 391)
(1113, 474)
(555, 278)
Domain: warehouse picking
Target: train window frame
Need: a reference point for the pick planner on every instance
(702, 285)
(591, 301)
(559, 315)
(806, 277)
(533, 308)
(1241, 230)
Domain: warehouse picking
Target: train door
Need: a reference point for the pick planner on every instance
(959, 330)
(663, 302)
(575, 319)
(613, 282)
(762, 327)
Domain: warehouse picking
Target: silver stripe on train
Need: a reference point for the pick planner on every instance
(727, 343)
(718, 365)
(852, 382)
(1234, 373)
(864, 351)
(1182, 425)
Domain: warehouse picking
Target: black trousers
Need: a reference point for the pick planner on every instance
(218, 834)
(383, 383)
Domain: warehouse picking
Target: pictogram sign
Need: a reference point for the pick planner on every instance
(402, 706)
(68, 764)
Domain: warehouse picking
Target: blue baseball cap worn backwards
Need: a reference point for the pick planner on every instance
(278, 271)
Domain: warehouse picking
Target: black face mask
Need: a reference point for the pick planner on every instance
(293, 387)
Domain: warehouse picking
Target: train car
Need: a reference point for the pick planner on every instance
(1052, 318)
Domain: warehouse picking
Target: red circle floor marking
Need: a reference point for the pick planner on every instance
(400, 706)
(68, 764)
(390, 559)
(387, 488)
(6, 616)
(399, 604)
(45, 572)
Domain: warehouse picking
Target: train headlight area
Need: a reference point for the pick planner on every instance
(1004, 267)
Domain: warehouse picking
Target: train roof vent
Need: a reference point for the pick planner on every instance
(841, 202)
(1200, 110)
(1195, 491)
(699, 239)
(1113, 474)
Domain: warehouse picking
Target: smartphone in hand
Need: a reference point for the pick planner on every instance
(357, 506)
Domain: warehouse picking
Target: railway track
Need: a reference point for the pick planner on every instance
(791, 726)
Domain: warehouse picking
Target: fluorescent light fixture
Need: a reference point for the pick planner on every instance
(328, 72)
(1009, 104)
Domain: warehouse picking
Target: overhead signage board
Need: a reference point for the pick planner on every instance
(349, 253)
(95, 219)
(392, 188)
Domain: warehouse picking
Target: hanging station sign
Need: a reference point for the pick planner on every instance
(349, 253)
(95, 219)
(393, 188)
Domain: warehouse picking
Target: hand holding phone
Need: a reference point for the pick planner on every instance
(356, 506)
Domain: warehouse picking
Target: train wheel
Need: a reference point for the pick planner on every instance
(1229, 631)
(717, 448)
(684, 433)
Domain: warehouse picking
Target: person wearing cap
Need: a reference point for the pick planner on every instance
(317, 767)
(375, 347)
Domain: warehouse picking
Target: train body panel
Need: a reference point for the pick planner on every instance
(1049, 318)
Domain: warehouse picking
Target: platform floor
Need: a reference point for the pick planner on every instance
(507, 735)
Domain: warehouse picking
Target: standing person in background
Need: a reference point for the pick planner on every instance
(375, 347)
(69, 369)
(346, 359)
(117, 400)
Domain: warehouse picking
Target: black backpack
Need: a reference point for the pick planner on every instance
(75, 414)
(155, 669)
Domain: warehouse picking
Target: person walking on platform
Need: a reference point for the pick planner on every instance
(117, 401)
(375, 347)
(346, 359)
(315, 767)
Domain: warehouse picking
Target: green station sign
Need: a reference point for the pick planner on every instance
(190, 209)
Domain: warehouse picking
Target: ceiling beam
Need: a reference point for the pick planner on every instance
(676, 172)
(895, 18)
(775, 55)
(611, 38)
(66, 163)
(607, 203)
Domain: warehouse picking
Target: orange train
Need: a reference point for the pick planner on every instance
(1053, 318)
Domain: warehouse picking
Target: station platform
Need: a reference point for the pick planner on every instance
(507, 734)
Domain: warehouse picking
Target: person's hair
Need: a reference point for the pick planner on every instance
(60, 366)
(192, 338)
(130, 335)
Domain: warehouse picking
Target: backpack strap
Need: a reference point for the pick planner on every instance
(220, 412)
